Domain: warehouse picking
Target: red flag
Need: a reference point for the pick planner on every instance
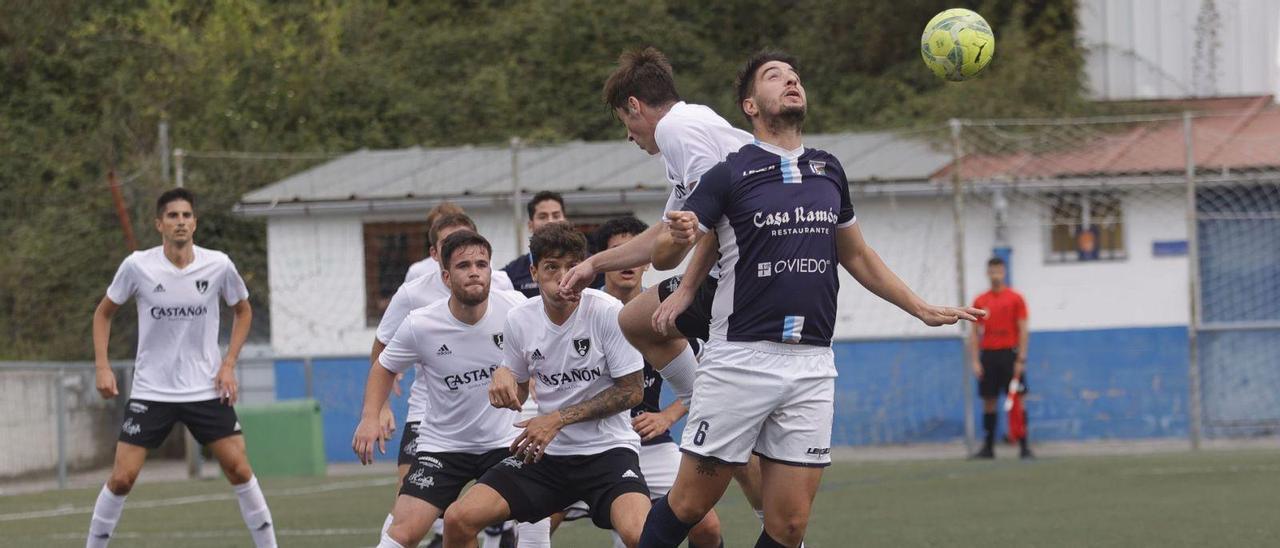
(1013, 406)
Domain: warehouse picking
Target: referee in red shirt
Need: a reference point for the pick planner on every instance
(998, 351)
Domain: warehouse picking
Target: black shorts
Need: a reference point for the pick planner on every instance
(997, 371)
(408, 444)
(695, 322)
(147, 423)
(537, 490)
(438, 478)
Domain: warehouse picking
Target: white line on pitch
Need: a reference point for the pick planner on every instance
(196, 499)
(222, 533)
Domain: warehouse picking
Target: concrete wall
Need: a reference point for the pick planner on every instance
(29, 420)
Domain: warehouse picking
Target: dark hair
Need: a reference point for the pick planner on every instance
(443, 208)
(557, 240)
(542, 197)
(644, 74)
(173, 195)
(746, 82)
(613, 227)
(995, 261)
(459, 240)
(447, 220)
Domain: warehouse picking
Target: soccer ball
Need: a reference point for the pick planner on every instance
(957, 44)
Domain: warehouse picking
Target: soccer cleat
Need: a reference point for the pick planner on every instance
(1026, 454)
(986, 453)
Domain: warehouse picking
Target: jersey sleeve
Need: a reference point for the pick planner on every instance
(1020, 311)
(233, 288)
(620, 357)
(688, 152)
(499, 280)
(980, 303)
(124, 284)
(846, 217)
(400, 353)
(513, 351)
(397, 310)
(708, 200)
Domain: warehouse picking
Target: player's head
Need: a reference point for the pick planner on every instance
(639, 92)
(612, 234)
(556, 248)
(176, 216)
(996, 271)
(444, 208)
(465, 266)
(769, 91)
(545, 207)
(445, 225)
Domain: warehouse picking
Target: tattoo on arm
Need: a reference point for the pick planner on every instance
(625, 393)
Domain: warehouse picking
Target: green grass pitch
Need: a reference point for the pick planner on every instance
(1186, 499)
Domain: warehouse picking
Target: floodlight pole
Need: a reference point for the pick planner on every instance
(1193, 271)
(179, 173)
(957, 208)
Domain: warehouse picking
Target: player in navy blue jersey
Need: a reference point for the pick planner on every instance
(766, 383)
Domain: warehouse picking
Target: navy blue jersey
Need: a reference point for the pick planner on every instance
(652, 402)
(776, 214)
(518, 271)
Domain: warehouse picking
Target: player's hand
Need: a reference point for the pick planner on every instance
(651, 425)
(387, 420)
(225, 383)
(683, 226)
(664, 318)
(367, 435)
(503, 391)
(577, 279)
(537, 435)
(976, 366)
(934, 316)
(105, 381)
(395, 386)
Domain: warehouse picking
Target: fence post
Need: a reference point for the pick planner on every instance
(516, 215)
(307, 377)
(1194, 408)
(60, 399)
(957, 209)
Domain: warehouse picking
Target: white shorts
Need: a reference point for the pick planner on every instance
(659, 463)
(772, 399)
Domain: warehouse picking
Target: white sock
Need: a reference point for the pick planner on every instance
(388, 542)
(106, 513)
(534, 535)
(386, 524)
(491, 540)
(438, 527)
(679, 374)
(253, 508)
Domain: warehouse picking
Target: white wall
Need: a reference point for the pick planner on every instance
(29, 419)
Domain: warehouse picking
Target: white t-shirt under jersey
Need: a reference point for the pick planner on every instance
(178, 354)
(455, 364)
(570, 364)
(422, 268)
(414, 294)
(692, 139)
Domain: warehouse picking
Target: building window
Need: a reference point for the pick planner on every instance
(1085, 226)
(389, 249)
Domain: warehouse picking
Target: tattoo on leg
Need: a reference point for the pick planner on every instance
(707, 466)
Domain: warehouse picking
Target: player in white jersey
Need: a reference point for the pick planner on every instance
(413, 294)
(455, 343)
(179, 375)
(766, 385)
(581, 446)
(659, 454)
(690, 139)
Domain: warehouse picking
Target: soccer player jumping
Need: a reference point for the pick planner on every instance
(766, 383)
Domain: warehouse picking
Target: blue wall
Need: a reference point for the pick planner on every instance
(1096, 384)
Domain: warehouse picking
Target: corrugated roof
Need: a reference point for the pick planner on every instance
(417, 173)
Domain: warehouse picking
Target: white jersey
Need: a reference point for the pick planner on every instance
(413, 294)
(570, 364)
(422, 268)
(692, 139)
(455, 364)
(178, 354)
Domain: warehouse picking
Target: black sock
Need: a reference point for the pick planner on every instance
(766, 541)
(989, 424)
(721, 545)
(662, 529)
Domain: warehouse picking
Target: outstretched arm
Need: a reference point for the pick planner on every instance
(704, 257)
(865, 265)
(627, 392)
(634, 253)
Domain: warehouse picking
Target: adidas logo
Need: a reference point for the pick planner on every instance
(159, 288)
(537, 354)
(444, 350)
(630, 474)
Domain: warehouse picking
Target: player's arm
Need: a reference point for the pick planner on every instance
(105, 378)
(650, 425)
(505, 392)
(386, 417)
(627, 392)
(225, 381)
(398, 356)
(866, 266)
(704, 257)
(634, 253)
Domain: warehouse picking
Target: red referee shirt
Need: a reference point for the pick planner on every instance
(1000, 327)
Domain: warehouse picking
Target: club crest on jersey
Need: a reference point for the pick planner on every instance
(582, 346)
(497, 340)
(202, 286)
(818, 168)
